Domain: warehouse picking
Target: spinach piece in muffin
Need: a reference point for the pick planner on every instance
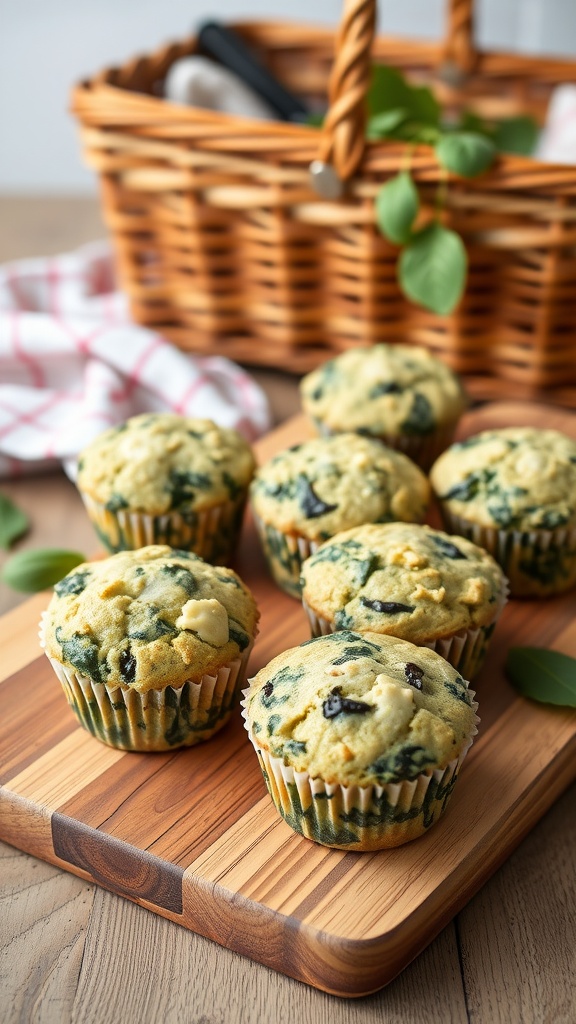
(420, 419)
(183, 486)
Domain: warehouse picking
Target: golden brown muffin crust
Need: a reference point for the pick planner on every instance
(404, 580)
(517, 478)
(385, 390)
(160, 462)
(149, 618)
(325, 485)
(360, 708)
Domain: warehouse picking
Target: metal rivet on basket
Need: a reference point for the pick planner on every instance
(325, 181)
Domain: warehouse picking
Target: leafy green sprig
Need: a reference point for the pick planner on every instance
(34, 569)
(543, 675)
(432, 266)
(14, 522)
(39, 568)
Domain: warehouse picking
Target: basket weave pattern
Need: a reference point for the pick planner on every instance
(223, 246)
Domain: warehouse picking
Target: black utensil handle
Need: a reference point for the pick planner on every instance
(225, 46)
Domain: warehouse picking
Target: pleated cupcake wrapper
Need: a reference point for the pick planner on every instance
(357, 818)
(157, 719)
(550, 555)
(285, 554)
(423, 450)
(211, 533)
(464, 650)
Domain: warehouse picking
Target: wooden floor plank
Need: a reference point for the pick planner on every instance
(522, 922)
(39, 977)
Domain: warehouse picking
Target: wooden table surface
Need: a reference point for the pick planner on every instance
(72, 952)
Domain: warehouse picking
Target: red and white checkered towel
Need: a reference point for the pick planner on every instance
(72, 364)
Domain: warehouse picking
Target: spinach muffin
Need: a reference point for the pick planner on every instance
(305, 494)
(360, 737)
(513, 491)
(409, 581)
(166, 479)
(150, 646)
(401, 394)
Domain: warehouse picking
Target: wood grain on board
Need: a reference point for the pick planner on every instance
(193, 836)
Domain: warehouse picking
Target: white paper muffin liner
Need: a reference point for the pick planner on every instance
(465, 650)
(538, 563)
(156, 720)
(211, 533)
(358, 818)
(423, 449)
(284, 554)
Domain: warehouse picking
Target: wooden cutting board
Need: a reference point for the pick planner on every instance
(193, 836)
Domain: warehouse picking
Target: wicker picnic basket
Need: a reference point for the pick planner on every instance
(223, 245)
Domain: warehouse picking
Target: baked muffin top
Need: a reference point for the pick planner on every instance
(328, 484)
(404, 580)
(160, 462)
(384, 390)
(149, 618)
(360, 708)
(517, 478)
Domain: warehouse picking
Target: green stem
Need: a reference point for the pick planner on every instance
(407, 157)
(441, 193)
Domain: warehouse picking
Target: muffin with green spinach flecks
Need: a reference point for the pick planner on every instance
(409, 581)
(150, 646)
(304, 495)
(360, 737)
(401, 394)
(513, 491)
(159, 478)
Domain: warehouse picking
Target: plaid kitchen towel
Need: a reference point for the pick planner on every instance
(72, 364)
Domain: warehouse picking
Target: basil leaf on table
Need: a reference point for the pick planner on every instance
(397, 205)
(39, 568)
(545, 676)
(465, 153)
(432, 268)
(13, 522)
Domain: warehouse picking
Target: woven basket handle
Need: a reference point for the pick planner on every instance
(343, 135)
(459, 51)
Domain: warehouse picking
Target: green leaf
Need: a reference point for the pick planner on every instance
(465, 153)
(405, 130)
(39, 568)
(383, 124)
(516, 135)
(389, 90)
(13, 522)
(413, 131)
(543, 675)
(425, 106)
(432, 268)
(471, 122)
(397, 205)
(315, 119)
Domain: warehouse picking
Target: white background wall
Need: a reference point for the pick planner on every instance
(46, 45)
